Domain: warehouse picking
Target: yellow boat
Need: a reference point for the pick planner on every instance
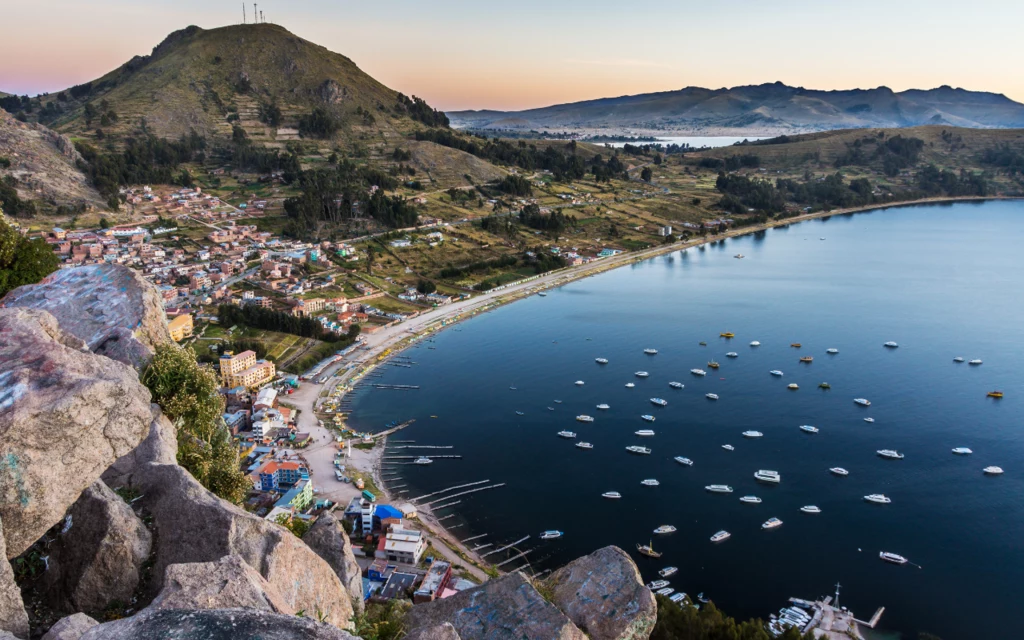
(713, 364)
(995, 394)
(795, 345)
(807, 359)
(727, 334)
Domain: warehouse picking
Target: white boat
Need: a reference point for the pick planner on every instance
(962, 451)
(667, 591)
(644, 433)
(728, 447)
(650, 482)
(603, 407)
(423, 460)
(665, 528)
(641, 450)
(719, 488)
(958, 359)
(864, 402)
(739, 256)
(550, 535)
(752, 434)
(601, 360)
(684, 461)
(611, 495)
(720, 536)
(764, 475)
(579, 383)
(678, 597)
(711, 396)
(676, 385)
(806, 428)
(792, 386)
(776, 373)
(891, 454)
(520, 413)
(976, 361)
(558, 402)
(668, 571)
(894, 558)
(832, 351)
(891, 344)
(810, 509)
(877, 498)
(584, 418)
(732, 354)
(869, 420)
(657, 584)
(755, 343)
(551, 408)
(751, 499)
(771, 523)
(647, 417)
(698, 372)
(584, 445)
(659, 402)
(630, 385)
(992, 471)
(567, 434)
(641, 374)
(839, 471)
(651, 352)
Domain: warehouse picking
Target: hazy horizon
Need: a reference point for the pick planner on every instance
(461, 55)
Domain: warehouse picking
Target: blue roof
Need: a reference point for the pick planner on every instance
(287, 498)
(387, 511)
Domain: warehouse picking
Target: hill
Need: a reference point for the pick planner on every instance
(768, 109)
(261, 77)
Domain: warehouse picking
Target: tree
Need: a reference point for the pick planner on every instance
(298, 526)
(238, 134)
(426, 286)
(646, 174)
(371, 255)
(22, 261)
(104, 223)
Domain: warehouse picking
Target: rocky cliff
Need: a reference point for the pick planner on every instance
(78, 432)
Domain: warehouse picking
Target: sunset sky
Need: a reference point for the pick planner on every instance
(461, 54)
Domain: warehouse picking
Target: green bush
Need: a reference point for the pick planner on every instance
(22, 261)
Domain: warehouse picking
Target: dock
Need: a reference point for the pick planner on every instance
(482, 535)
(384, 434)
(460, 486)
(396, 387)
(513, 558)
(874, 619)
(455, 495)
(508, 546)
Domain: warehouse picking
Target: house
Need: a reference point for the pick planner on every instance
(298, 497)
(265, 399)
(397, 586)
(388, 516)
(278, 474)
(434, 583)
(665, 231)
(404, 545)
(245, 370)
(180, 327)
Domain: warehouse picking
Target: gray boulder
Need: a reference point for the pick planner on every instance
(220, 624)
(98, 556)
(193, 525)
(328, 539)
(112, 308)
(65, 416)
(70, 628)
(228, 583)
(444, 631)
(507, 608)
(604, 595)
(13, 617)
(160, 446)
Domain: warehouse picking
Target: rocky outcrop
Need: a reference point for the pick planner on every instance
(508, 607)
(160, 446)
(328, 539)
(97, 558)
(70, 628)
(13, 617)
(228, 583)
(193, 525)
(331, 92)
(221, 624)
(65, 416)
(604, 595)
(112, 308)
(443, 631)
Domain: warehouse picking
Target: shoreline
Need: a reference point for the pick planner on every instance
(373, 356)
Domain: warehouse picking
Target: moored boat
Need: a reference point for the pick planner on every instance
(641, 374)
(676, 385)
(824, 385)
(630, 385)
(839, 471)
(611, 495)
(720, 536)
(792, 386)
(551, 535)
(890, 454)
(752, 434)
(810, 509)
(668, 571)
(657, 584)
(650, 482)
(660, 402)
(584, 418)
(713, 365)
(958, 359)
(698, 372)
(584, 445)
(894, 558)
(667, 591)
(579, 383)
(807, 359)
(647, 417)
(832, 351)
(755, 343)
(711, 396)
(878, 498)
(423, 460)
(603, 407)
(644, 433)
(648, 550)
(993, 470)
(864, 402)
(776, 373)
(975, 362)
(796, 345)
(683, 461)
(665, 528)
(727, 334)
(567, 434)
(601, 360)
(891, 345)
(651, 352)
(962, 451)
(771, 523)
(806, 428)
(771, 477)
(718, 488)
(751, 499)
(728, 447)
(640, 450)
(994, 394)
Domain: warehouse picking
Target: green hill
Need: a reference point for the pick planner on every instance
(209, 80)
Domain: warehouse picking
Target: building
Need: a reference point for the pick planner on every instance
(404, 545)
(397, 586)
(298, 497)
(306, 308)
(180, 327)
(388, 516)
(366, 511)
(265, 399)
(276, 475)
(434, 583)
(665, 231)
(243, 370)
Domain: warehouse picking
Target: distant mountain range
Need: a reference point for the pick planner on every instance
(768, 108)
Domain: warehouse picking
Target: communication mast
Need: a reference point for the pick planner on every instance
(243, 13)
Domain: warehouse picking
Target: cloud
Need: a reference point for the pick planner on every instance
(618, 62)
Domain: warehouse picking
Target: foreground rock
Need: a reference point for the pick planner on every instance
(328, 539)
(438, 632)
(222, 624)
(160, 446)
(65, 416)
(604, 595)
(70, 628)
(112, 308)
(229, 583)
(13, 617)
(505, 608)
(97, 558)
(193, 525)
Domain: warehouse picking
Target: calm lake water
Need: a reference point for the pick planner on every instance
(695, 141)
(942, 281)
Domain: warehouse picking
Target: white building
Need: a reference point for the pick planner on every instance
(405, 546)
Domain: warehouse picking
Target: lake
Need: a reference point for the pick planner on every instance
(940, 280)
(694, 141)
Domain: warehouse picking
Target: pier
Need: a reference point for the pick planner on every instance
(417, 457)
(460, 486)
(396, 387)
(423, 446)
(874, 619)
(384, 434)
(482, 535)
(508, 546)
(446, 505)
(450, 515)
(482, 546)
(455, 495)
(515, 557)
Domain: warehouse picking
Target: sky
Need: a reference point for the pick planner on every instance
(484, 54)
